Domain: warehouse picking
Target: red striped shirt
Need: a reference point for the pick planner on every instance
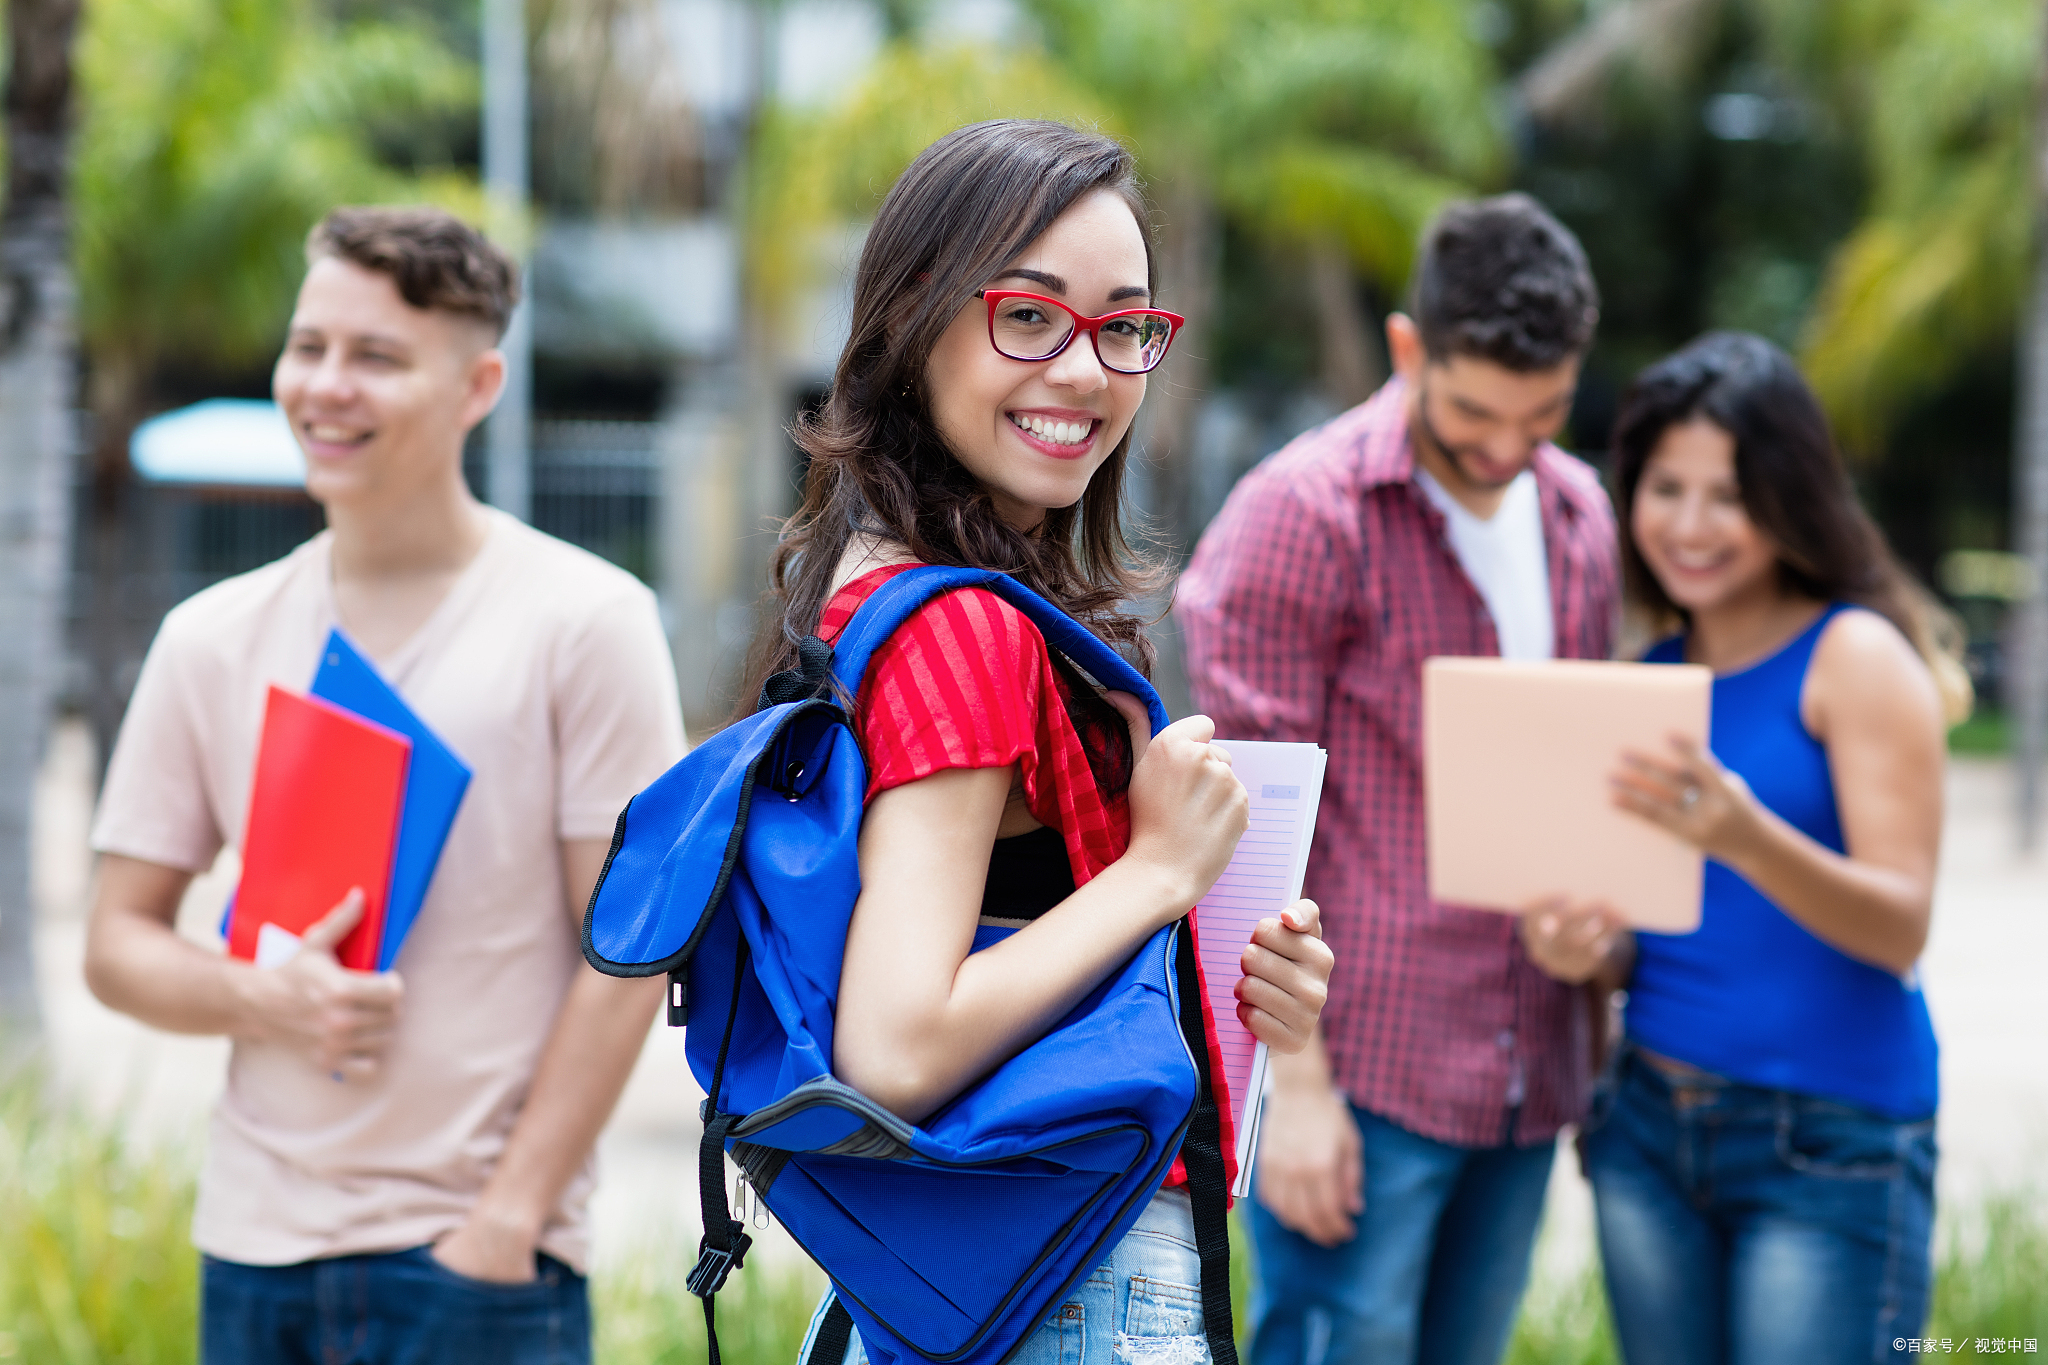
(967, 682)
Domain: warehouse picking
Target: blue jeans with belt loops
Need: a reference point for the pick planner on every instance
(1754, 1226)
(1435, 1272)
(391, 1308)
(1142, 1306)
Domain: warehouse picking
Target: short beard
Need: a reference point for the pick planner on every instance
(1449, 451)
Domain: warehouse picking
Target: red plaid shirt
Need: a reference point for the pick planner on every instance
(1309, 607)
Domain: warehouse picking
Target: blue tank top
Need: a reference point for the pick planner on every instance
(1751, 995)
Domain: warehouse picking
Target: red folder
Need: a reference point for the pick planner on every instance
(323, 818)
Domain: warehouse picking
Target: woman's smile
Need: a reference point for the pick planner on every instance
(1063, 433)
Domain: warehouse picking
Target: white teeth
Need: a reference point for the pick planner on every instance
(1059, 433)
(327, 433)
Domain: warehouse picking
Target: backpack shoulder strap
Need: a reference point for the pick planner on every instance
(897, 600)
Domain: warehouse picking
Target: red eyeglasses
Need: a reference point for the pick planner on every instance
(1026, 326)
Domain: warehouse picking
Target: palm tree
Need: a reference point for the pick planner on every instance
(1329, 129)
(35, 443)
(1944, 269)
(216, 133)
(1933, 276)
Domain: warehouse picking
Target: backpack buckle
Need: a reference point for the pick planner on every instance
(715, 1263)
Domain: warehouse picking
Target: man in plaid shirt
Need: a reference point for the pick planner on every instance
(1403, 1160)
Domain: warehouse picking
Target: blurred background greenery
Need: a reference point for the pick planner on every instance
(1849, 177)
(97, 1268)
(1859, 180)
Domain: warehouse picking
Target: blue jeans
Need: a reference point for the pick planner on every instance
(399, 1308)
(1435, 1273)
(1143, 1304)
(1757, 1226)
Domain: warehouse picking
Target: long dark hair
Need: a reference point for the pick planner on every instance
(965, 209)
(1793, 484)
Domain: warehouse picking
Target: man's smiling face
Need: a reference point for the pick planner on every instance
(379, 393)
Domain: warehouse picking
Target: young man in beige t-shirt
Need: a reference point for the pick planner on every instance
(399, 1167)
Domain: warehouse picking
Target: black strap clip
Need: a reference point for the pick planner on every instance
(679, 996)
(812, 677)
(715, 1263)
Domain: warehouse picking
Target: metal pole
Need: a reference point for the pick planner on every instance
(2029, 673)
(509, 435)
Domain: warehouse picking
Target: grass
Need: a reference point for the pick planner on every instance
(1985, 733)
(96, 1265)
(96, 1259)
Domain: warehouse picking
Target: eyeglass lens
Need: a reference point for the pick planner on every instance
(1025, 329)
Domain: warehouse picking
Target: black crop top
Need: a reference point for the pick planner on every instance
(1028, 874)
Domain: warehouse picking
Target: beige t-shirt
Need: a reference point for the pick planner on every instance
(546, 671)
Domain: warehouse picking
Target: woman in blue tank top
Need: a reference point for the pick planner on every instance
(1763, 1155)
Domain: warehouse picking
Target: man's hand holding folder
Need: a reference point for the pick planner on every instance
(339, 1020)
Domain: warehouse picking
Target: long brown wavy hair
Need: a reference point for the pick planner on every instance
(1794, 488)
(964, 210)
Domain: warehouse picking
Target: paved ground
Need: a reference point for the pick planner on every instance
(1983, 975)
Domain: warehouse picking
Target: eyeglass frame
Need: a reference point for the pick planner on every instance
(1082, 323)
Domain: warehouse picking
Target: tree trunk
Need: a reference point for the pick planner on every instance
(1163, 479)
(120, 606)
(1190, 264)
(1351, 361)
(2027, 679)
(36, 382)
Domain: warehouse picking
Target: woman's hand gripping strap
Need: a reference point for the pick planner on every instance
(725, 1243)
(1201, 1154)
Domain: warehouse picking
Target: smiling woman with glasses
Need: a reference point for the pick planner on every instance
(1006, 791)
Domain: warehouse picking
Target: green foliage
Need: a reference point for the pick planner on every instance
(97, 1266)
(1346, 119)
(1934, 276)
(215, 133)
(1564, 1324)
(1986, 734)
(1992, 1278)
(1349, 120)
(811, 172)
(96, 1262)
(644, 1317)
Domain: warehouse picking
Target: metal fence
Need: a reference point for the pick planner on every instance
(596, 484)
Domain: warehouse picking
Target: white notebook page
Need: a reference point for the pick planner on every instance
(1285, 782)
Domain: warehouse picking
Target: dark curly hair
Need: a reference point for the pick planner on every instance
(436, 260)
(963, 211)
(1794, 489)
(1502, 280)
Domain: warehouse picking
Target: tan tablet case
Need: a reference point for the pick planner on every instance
(1516, 760)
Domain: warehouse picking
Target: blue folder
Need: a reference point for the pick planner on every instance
(434, 785)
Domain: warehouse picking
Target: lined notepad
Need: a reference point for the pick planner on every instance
(1285, 782)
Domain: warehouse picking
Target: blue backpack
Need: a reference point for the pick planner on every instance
(735, 874)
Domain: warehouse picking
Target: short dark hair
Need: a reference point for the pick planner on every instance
(1502, 280)
(436, 260)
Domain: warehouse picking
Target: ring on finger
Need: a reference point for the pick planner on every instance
(1690, 797)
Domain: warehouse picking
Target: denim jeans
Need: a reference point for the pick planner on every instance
(1757, 1226)
(1142, 1306)
(399, 1308)
(1436, 1270)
